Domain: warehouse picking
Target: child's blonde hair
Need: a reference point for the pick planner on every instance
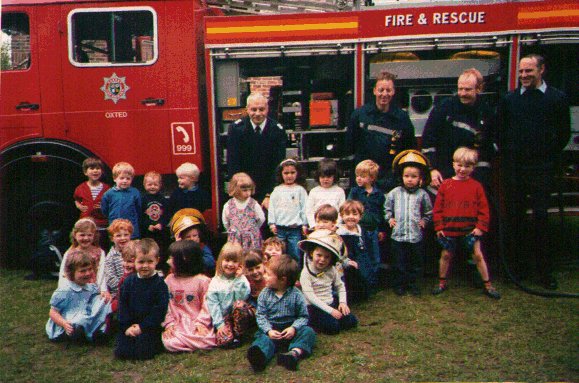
(350, 206)
(129, 253)
(273, 241)
(465, 156)
(230, 251)
(284, 266)
(118, 225)
(146, 246)
(84, 224)
(238, 182)
(153, 174)
(75, 260)
(369, 168)
(188, 169)
(123, 168)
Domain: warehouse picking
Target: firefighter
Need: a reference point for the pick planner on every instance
(256, 145)
(535, 127)
(379, 130)
(460, 121)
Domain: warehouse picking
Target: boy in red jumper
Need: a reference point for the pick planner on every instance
(461, 214)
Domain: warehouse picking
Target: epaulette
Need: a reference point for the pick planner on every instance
(238, 122)
(279, 126)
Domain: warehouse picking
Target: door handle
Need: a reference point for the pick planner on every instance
(149, 101)
(25, 106)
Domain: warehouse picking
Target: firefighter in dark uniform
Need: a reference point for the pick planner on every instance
(256, 145)
(380, 130)
(535, 128)
(462, 120)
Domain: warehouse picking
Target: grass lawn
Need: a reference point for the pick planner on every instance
(459, 336)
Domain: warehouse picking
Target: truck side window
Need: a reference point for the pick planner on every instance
(112, 36)
(15, 42)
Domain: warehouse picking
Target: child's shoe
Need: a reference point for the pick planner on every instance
(78, 334)
(492, 293)
(289, 360)
(256, 358)
(439, 289)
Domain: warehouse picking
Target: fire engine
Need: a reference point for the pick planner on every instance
(156, 83)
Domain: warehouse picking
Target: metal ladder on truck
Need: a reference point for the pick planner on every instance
(282, 6)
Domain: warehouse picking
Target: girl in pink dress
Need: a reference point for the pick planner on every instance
(188, 325)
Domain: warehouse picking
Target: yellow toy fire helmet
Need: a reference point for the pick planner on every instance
(328, 240)
(184, 219)
(414, 158)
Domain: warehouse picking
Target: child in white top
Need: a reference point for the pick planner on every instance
(321, 282)
(287, 204)
(327, 192)
(242, 215)
(227, 295)
(84, 236)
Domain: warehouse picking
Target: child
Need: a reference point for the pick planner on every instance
(272, 247)
(242, 215)
(461, 214)
(188, 324)
(143, 301)
(189, 193)
(326, 217)
(282, 318)
(154, 214)
(226, 297)
(88, 195)
(84, 236)
(120, 231)
(355, 239)
(373, 219)
(129, 254)
(76, 310)
(123, 200)
(321, 283)
(327, 192)
(287, 215)
(254, 270)
(189, 224)
(408, 210)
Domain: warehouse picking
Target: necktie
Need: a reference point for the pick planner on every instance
(257, 130)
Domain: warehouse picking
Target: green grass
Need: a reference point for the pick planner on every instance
(459, 336)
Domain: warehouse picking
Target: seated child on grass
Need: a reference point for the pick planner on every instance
(77, 311)
(254, 271)
(282, 318)
(321, 282)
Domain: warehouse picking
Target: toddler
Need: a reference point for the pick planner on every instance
(84, 236)
(355, 238)
(88, 195)
(143, 300)
(286, 214)
(188, 324)
(408, 210)
(461, 215)
(321, 283)
(123, 200)
(327, 192)
(282, 318)
(154, 216)
(254, 270)
(120, 231)
(227, 295)
(242, 215)
(189, 193)
(128, 253)
(189, 224)
(77, 311)
(373, 219)
(272, 247)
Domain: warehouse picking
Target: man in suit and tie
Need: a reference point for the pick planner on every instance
(256, 145)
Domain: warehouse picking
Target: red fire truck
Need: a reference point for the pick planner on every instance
(156, 83)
